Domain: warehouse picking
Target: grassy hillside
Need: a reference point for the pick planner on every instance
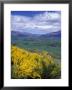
(50, 43)
(32, 65)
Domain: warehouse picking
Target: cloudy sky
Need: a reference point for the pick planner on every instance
(36, 22)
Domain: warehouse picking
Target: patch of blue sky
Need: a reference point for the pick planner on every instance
(36, 22)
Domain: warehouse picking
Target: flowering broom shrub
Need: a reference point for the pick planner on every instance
(32, 65)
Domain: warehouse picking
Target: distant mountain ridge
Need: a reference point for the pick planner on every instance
(18, 32)
(53, 34)
(58, 33)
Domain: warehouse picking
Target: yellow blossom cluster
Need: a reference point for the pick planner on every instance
(26, 64)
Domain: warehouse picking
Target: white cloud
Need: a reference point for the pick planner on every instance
(47, 16)
(45, 22)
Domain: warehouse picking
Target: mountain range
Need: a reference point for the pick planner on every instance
(30, 35)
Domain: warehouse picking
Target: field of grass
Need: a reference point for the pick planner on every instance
(51, 45)
(33, 64)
